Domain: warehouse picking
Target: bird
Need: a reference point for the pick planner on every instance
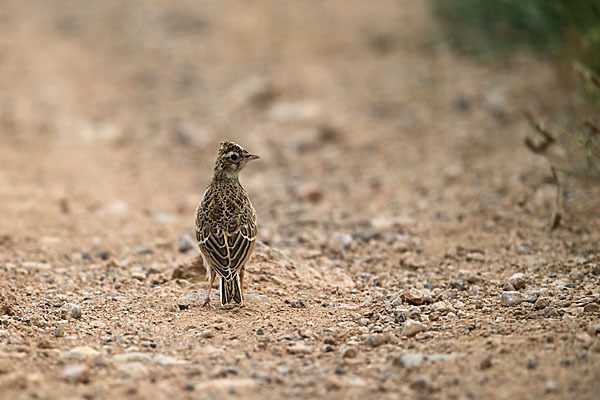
(226, 226)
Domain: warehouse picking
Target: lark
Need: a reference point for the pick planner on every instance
(226, 224)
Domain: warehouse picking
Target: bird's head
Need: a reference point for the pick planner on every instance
(232, 158)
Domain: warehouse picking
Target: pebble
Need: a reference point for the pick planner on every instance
(75, 373)
(411, 328)
(486, 363)
(591, 308)
(518, 280)
(511, 299)
(420, 383)
(166, 360)
(551, 386)
(138, 274)
(408, 360)
(348, 352)
(339, 242)
(257, 297)
(283, 370)
(414, 296)
(130, 357)
(440, 307)
(458, 284)
(81, 352)
(299, 302)
(531, 297)
(376, 340)
(299, 348)
(35, 266)
(541, 303)
(132, 369)
(185, 243)
(206, 334)
(75, 311)
(143, 250)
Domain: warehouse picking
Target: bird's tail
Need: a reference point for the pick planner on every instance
(230, 290)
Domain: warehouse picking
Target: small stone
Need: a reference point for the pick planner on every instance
(531, 363)
(518, 280)
(75, 373)
(339, 242)
(511, 299)
(348, 352)
(143, 250)
(59, 331)
(458, 284)
(299, 348)
(591, 308)
(486, 363)
(507, 287)
(166, 360)
(75, 311)
(551, 386)
(531, 297)
(258, 297)
(138, 274)
(35, 266)
(440, 307)
(411, 328)
(376, 340)
(131, 357)
(329, 340)
(260, 331)
(414, 296)
(80, 353)
(283, 370)
(185, 243)
(541, 303)
(132, 369)
(420, 383)
(299, 302)
(475, 256)
(340, 371)
(408, 360)
(206, 334)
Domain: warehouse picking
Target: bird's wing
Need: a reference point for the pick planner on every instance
(228, 247)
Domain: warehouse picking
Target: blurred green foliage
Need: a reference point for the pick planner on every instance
(497, 27)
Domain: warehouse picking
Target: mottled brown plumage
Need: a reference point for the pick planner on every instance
(226, 224)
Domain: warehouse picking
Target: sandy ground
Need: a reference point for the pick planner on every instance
(395, 199)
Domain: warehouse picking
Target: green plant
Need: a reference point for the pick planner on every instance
(497, 27)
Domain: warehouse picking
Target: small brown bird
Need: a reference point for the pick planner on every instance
(226, 224)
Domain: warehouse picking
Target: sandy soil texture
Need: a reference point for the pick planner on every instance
(404, 246)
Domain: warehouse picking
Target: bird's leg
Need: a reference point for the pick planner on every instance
(212, 280)
(242, 284)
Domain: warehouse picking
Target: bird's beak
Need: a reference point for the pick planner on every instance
(252, 157)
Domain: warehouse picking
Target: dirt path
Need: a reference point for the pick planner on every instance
(394, 198)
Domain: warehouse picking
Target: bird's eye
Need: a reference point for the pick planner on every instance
(234, 157)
